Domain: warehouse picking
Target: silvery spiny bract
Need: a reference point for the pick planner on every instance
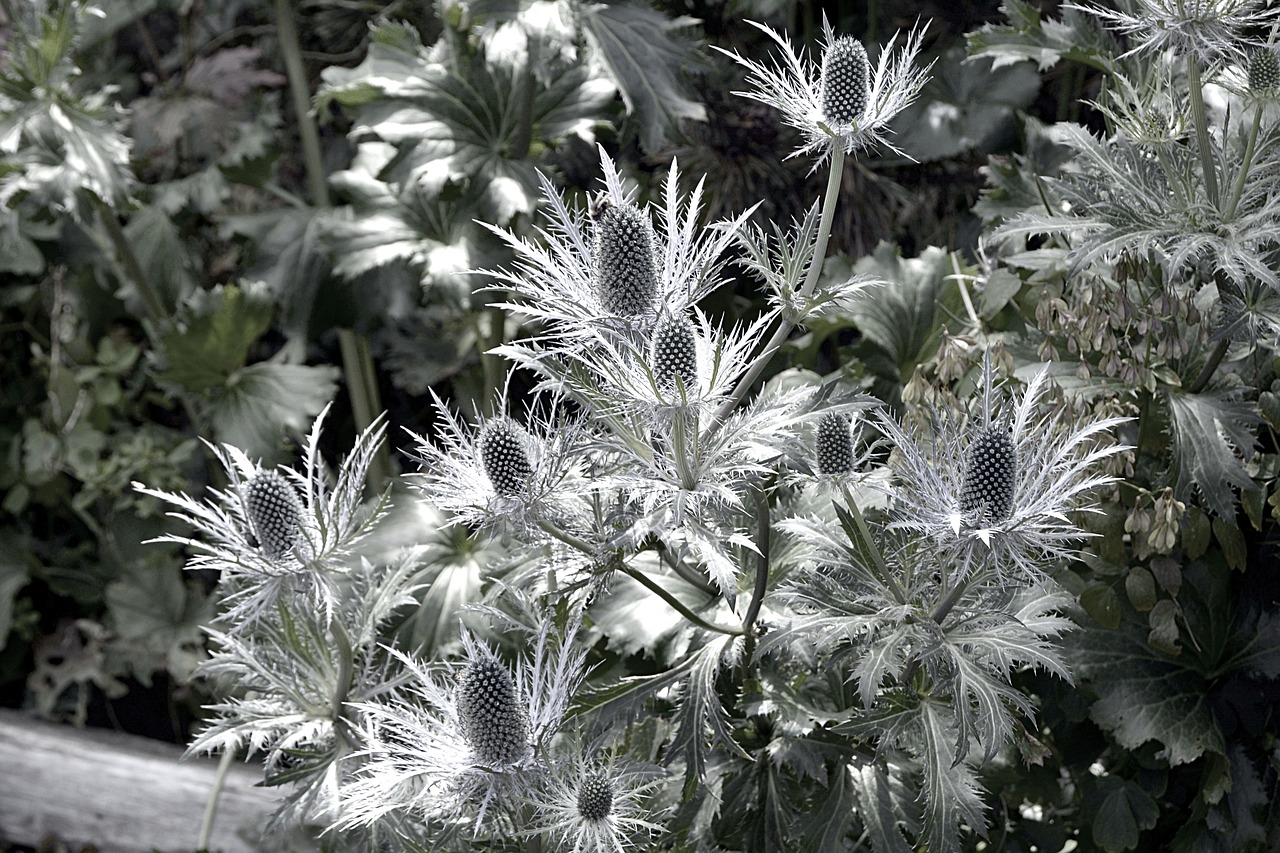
(453, 749)
(835, 103)
(594, 806)
(263, 539)
(995, 495)
(556, 279)
(1207, 30)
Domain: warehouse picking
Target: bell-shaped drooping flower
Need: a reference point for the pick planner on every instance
(503, 446)
(273, 530)
(271, 502)
(585, 271)
(490, 713)
(455, 743)
(990, 474)
(1000, 494)
(626, 261)
(833, 444)
(841, 101)
(675, 353)
(845, 81)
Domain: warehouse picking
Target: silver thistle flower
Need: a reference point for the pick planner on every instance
(840, 101)
(272, 531)
(593, 807)
(1000, 495)
(557, 277)
(1208, 30)
(833, 444)
(460, 743)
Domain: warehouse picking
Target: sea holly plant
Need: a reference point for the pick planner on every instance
(837, 601)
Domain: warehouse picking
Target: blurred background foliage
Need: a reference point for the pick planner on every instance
(217, 217)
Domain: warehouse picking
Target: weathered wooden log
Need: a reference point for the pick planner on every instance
(123, 793)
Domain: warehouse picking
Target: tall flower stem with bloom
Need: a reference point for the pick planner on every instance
(1202, 130)
(811, 281)
(1246, 164)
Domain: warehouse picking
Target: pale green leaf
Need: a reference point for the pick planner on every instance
(262, 403)
(212, 340)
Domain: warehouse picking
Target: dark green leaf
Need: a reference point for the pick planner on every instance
(1164, 627)
(1121, 810)
(646, 62)
(1101, 602)
(214, 341)
(1231, 539)
(1210, 433)
(1140, 586)
(1078, 36)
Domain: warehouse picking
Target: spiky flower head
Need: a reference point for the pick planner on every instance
(675, 353)
(504, 453)
(1264, 71)
(846, 80)
(595, 796)
(626, 260)
(1208, 30)
(490, 713)
(833, 444)
(843, 103)
(990, 474)
(271, 502)
(999, 498)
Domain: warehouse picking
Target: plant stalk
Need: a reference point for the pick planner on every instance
(880, 567)
(362, 387)
(811, 281)
(763, 526)
(211, 805)
(1202, 131)
(300, 92)
(1245, 165)
(1206, 373)
(151, 300)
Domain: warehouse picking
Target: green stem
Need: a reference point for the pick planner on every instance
(492, 328)
(1202, 131)
(300, 92)
(362, 387)
(1206, 372)
(1245, 165)
(810, 283)
(763, 527)
(211, 805)
(151, 300)
(690, 575)
(880, 567)
(676, 604)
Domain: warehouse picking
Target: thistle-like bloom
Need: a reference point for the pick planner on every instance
(464, 742)
(999, 494)
(276, 530)
(833, 444)
(841, 100)
(1206, 29)
(495, 474)
(587, 272)
(589, 807)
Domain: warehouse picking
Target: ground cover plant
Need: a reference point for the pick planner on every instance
(555, 426)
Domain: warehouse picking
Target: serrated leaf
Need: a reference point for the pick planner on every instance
(1121, 810)
(1144, 695)
(700, 710)
(262, 403)
(1231, 540)
(1027, 36)
(214, 342)
(645, 61)
(1210, 434)
(166, 259)
(884, 807)
(826, 827)
(158, 621)
(949, 788)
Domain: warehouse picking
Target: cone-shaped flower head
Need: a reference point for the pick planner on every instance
(504, 454)
(846, 79)
(272, 505)
(595, 797)
(626, 261)
(675, 352)
(492, 718)
(990, 474)
(1264, 70)
(833, 444)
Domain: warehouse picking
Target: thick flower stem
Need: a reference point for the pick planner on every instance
(1206, 372)
(1246, 163)
(763, 525)
(1202, 131)
(879, 566)
(810, 283)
